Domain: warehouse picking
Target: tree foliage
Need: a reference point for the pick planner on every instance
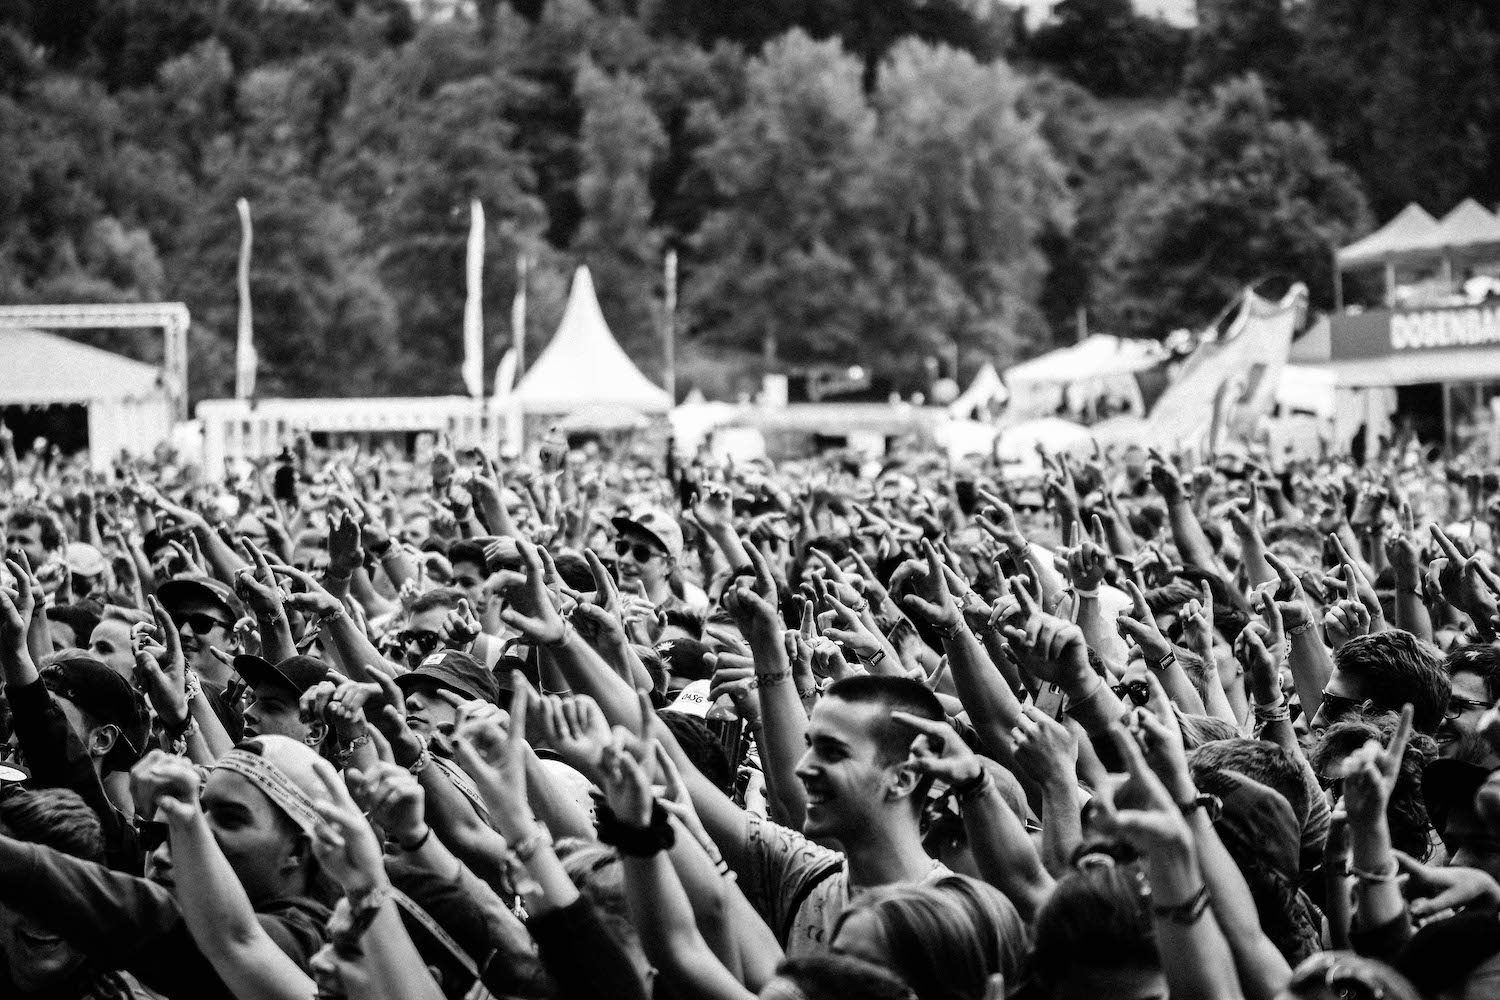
(844, 181)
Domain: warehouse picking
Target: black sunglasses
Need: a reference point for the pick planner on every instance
(640, 550)
(202, 624)
(1137, 692)
(151, 834)
(425, 642)
(1336, 706)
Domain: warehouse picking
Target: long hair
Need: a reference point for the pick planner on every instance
(933, 941)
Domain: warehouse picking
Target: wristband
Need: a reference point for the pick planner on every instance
(347, 753)
(1166, 661)
(635, 841)
(1186, 913)
(420, 764)
(526, 849)
(870, 661)
(420, 842)
(952, 634)
(1377, 877)
(963, 791)
(1299, 629)
(1081, 594)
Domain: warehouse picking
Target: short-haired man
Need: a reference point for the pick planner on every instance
(36, 532)
(273, 706)
(1475, 675)
(861, 794)
(1392, 669)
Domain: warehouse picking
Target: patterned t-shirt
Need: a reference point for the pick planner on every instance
(784, 869)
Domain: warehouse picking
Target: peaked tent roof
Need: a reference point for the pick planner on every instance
(584, 365)
(43, 368)
(1469, 224)
(1410, 224)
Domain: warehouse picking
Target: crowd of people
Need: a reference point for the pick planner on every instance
(346, 725)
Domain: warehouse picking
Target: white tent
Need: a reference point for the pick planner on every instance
(1101, 367)
(584, 366)
(976, 399)
(128, 406)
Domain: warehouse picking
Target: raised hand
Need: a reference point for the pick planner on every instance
(1045, 749)
(930, 597)
(17, 605)
(160, 669)
(495, 758)
(1140, 624)
(163, 783)
(529, 603)
(460, 626)
(256, 584)
(1050, 649)
(1370, 774)
(343, 841)
(345, 553)
(576, 728)
(393, 799)
(938, 751)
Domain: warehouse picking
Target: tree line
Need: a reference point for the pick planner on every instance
(843, 180)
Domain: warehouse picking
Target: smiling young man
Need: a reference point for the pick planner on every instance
(861, 795)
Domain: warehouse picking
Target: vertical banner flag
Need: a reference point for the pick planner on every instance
(670, 333)
(518, 315)
(473, 369)
(244, 354)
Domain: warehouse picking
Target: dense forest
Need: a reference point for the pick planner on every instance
(880, 180)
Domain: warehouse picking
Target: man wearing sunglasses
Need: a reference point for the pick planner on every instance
(649, 548)
(204, 611)
(1391, 668)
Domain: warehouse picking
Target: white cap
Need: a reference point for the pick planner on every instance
(692, 700)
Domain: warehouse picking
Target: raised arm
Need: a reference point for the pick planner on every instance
(214, 904)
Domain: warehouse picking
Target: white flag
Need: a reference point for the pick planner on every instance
(473, 369)
(244, 353)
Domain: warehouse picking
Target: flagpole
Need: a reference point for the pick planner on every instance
(473, 369)
(670, 332)
(244, 359)
(518, 315)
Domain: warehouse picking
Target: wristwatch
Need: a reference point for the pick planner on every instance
(1210, 804)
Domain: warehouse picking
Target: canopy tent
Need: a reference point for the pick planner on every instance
(1411, 224)
(1102, 367)
(584, 366)
(127, 401)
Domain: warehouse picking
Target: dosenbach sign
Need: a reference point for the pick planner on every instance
(1381, 332)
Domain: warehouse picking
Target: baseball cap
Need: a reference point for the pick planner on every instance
(656, 523)
(296, 673)
(175, 593)
(692, 700)
(285, 770)
(84, 560)
(455, 670)
(108, 697)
